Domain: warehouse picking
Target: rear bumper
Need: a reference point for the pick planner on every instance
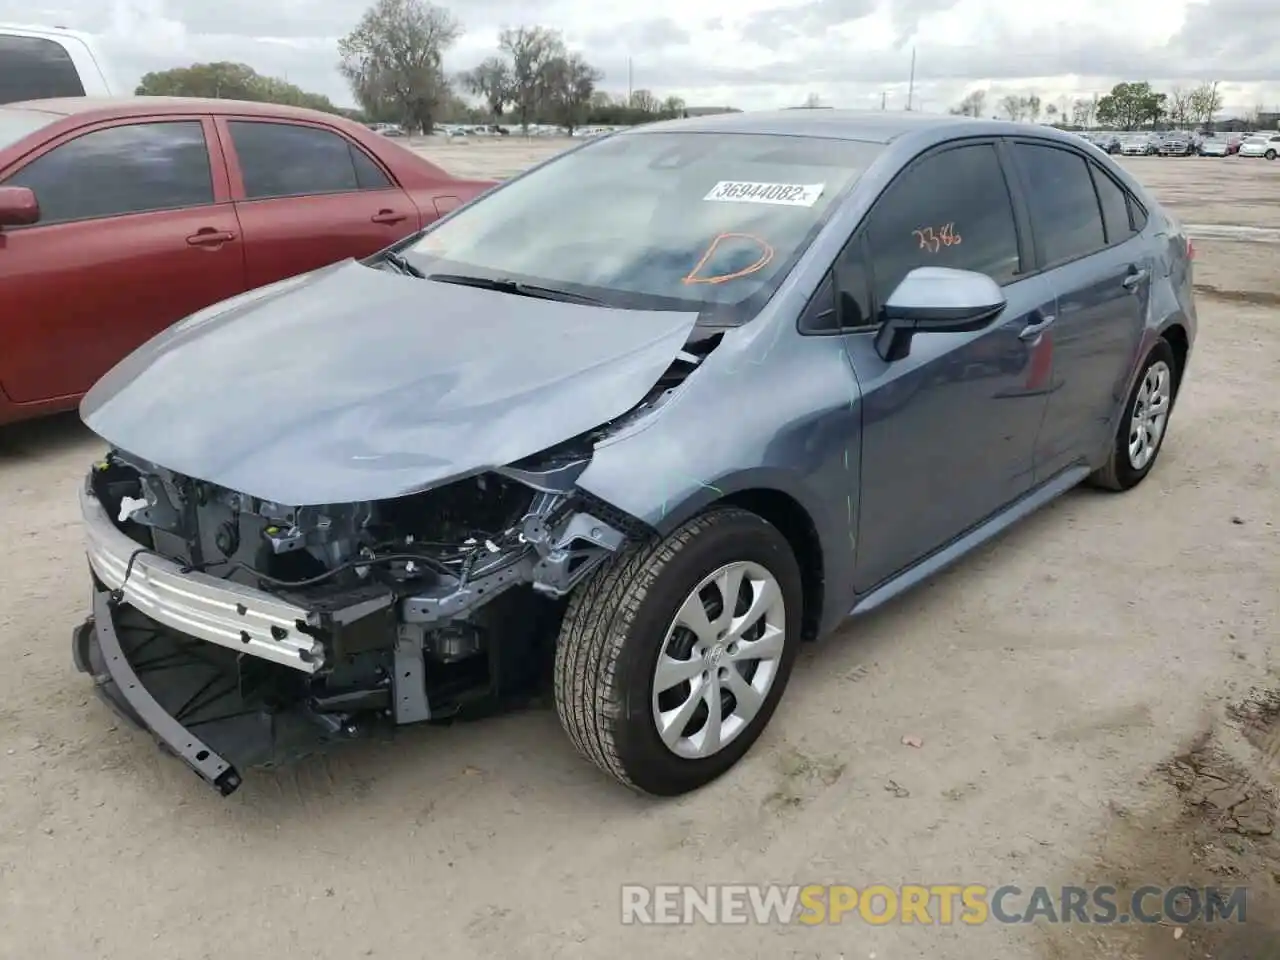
(97, 650)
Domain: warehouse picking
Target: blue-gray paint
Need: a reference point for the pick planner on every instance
(901, 466)
(361, 384)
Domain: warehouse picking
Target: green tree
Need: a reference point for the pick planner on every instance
(1131, 105)
(393, 60)
(229, 81)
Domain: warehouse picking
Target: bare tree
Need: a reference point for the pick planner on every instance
(1080, 113)
(532, 50)
(491, 81)
(973, 104)
(811, 102)
(645, 102)
(394, 56)
(675, 106)
(1031, 107)
(1204, 103)
(1012, 106)
(571, 82)
(1178, 106)
(1051, 112)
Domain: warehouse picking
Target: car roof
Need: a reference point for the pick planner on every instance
(102, 108)
(871, 126)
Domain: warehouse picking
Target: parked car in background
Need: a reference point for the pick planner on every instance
(1214, 145)
(1261, 145)
(1177, 143)
(1110, 142)
(1138, 145)
(38, 62)
(119, 217)
(507, 422)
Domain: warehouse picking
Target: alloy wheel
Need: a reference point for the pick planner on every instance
(1150, 414)
(719, 659)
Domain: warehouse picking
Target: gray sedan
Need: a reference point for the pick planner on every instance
(640, 421)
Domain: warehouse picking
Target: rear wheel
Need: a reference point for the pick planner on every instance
(1144, 424)
(672, 658)
(1270, 154)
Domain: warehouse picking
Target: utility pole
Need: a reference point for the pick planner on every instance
(883, 97)
(1213, 103)
(630, 89)
(911, 86)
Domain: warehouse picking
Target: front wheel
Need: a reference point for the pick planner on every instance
(1144, 423)
(674, 655)
(1270, 154)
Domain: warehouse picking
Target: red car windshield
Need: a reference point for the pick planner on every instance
(685, 221)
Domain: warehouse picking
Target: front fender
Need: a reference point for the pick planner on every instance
(781, 415)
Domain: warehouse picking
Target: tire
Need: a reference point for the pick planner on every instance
(617, 625)
(1270, 154)
(1120, 471)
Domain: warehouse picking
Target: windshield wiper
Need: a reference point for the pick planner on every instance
(518, 287)
(403, 265)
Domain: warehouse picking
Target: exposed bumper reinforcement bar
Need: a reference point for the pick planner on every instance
(118, 684)
(229, 614)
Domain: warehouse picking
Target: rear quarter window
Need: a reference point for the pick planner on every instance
(33, 68)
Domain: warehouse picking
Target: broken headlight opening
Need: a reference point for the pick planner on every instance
(244, 633)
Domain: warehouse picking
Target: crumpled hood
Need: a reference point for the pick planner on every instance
(357, 384)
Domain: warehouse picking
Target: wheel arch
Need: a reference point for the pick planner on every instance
(778, 497)
(1180, 340)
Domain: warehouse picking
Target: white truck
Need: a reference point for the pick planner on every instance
(38, 62)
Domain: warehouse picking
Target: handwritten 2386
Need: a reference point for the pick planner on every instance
(933, 239)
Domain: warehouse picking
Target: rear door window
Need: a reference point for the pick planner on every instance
(290, 160)
(34, 68)
(1064, 206)
(133, 168)
(1115, 206)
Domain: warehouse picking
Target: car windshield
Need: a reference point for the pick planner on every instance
(16, 123)
(670, 221)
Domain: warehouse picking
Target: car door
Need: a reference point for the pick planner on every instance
(947, 431)
(136, 231)
(1100, 272)
(309, 196)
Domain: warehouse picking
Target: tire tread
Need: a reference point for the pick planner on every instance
(595, 628)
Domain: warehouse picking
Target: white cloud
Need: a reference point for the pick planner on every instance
(749, 53)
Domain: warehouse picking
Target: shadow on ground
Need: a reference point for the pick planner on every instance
(48, 436)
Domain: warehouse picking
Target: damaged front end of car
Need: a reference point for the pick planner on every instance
(246, 633)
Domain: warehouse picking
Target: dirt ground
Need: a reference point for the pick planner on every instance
(1095, 698)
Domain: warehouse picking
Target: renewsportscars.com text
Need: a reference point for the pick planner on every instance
(934, 904)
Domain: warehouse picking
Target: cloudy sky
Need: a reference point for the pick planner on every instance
(749, 53)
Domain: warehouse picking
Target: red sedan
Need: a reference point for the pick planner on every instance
(119, 217)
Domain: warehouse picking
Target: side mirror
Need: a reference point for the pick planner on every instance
(18, 207)
(933, 300)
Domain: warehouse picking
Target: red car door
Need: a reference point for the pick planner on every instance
(136, 231)
(308, 196)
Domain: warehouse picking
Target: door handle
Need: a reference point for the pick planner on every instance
(209, 237)
(388, 216)
(1135, 279)
(1035, 328)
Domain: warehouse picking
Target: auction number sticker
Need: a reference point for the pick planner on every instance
(783, 194)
